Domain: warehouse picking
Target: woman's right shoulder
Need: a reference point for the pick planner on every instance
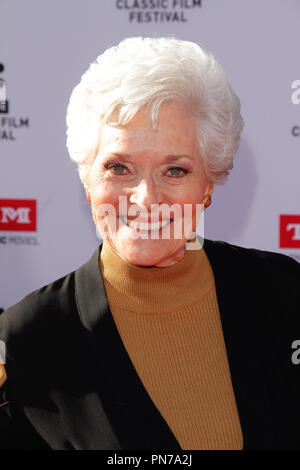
(37, 322)
(37, 305)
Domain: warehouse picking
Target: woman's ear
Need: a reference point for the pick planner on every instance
(207, 197)
(88, 194)
(211, 188)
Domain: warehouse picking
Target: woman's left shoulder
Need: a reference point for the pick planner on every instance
(253, 258)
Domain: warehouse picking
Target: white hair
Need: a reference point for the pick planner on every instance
(148, 71)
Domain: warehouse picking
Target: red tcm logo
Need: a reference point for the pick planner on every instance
(18, 215)
(289, 231)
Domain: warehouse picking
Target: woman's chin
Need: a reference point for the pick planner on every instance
(147, 252)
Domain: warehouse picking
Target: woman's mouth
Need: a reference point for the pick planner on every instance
(145, 226)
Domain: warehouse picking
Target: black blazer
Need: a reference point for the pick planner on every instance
(71, 383)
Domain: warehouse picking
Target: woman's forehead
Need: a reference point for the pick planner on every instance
(175, 130)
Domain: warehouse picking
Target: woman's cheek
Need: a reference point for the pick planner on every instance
(106, 195)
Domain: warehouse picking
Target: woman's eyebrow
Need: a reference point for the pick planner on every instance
(174, 158)
(121, 156)
(169, 158)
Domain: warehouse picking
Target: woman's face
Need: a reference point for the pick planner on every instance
(145, 175)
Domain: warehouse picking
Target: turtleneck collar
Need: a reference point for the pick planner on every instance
(153, 289)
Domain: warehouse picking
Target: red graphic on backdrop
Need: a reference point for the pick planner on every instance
(289, 231)
(18, 215)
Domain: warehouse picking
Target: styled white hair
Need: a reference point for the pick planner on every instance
(148, 71)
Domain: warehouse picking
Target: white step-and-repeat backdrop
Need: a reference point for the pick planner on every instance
(46, 228)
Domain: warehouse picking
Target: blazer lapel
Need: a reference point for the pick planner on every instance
(134, 419)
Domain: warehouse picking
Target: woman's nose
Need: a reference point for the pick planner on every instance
(145, 194)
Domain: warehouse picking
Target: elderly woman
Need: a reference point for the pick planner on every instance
(156, 342)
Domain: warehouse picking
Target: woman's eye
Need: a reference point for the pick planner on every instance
(117, 168)
(177, 171)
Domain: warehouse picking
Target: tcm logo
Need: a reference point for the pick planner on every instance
(289, 231)
(18, 215)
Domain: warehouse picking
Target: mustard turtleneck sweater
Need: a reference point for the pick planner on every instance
(169, 322)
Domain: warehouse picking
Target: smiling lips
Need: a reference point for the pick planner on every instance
(158, 225)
